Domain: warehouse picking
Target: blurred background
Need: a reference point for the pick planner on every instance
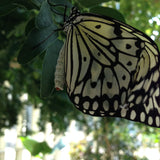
(38, 125)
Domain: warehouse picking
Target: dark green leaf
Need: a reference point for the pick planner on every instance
(24, 3)
(62, 2)
(6, 6)
(37, 2)
(37, 42)
(30, 25)
(44, 148)
(49, 64)
(110, 12)
(90, 3)
(58, 7)
(61, 99)
(44, 18)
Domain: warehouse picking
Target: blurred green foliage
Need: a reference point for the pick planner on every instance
(35, 147)
(27, 32)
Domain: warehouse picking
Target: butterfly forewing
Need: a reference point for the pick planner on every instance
(112, 69)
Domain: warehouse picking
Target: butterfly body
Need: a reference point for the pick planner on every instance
(111, 69)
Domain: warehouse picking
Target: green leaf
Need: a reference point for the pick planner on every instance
(90, 3)
(37, 42)
(110, 12)
(23, 3)
(30, 25)
(37, 2)
(60, 2)
(58, 6)
(35, 147)
(44, 18)
(49, 65)
(44, 148)
(61, 100)
(30, 145)
(6, 6)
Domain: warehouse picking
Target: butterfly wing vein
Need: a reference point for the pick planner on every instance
(112, 69)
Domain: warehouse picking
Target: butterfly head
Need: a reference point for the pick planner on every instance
(74, 13)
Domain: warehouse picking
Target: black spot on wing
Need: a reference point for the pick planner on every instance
(109, 84)
(123, 77)
(128, 46)
(98, 26)
(93, 84)
(98, 53)
(129, 63)
(84, 58)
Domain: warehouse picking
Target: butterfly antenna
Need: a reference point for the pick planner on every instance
(64, 16)
(54, 10)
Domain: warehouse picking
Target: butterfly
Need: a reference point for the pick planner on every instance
(110, 69)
